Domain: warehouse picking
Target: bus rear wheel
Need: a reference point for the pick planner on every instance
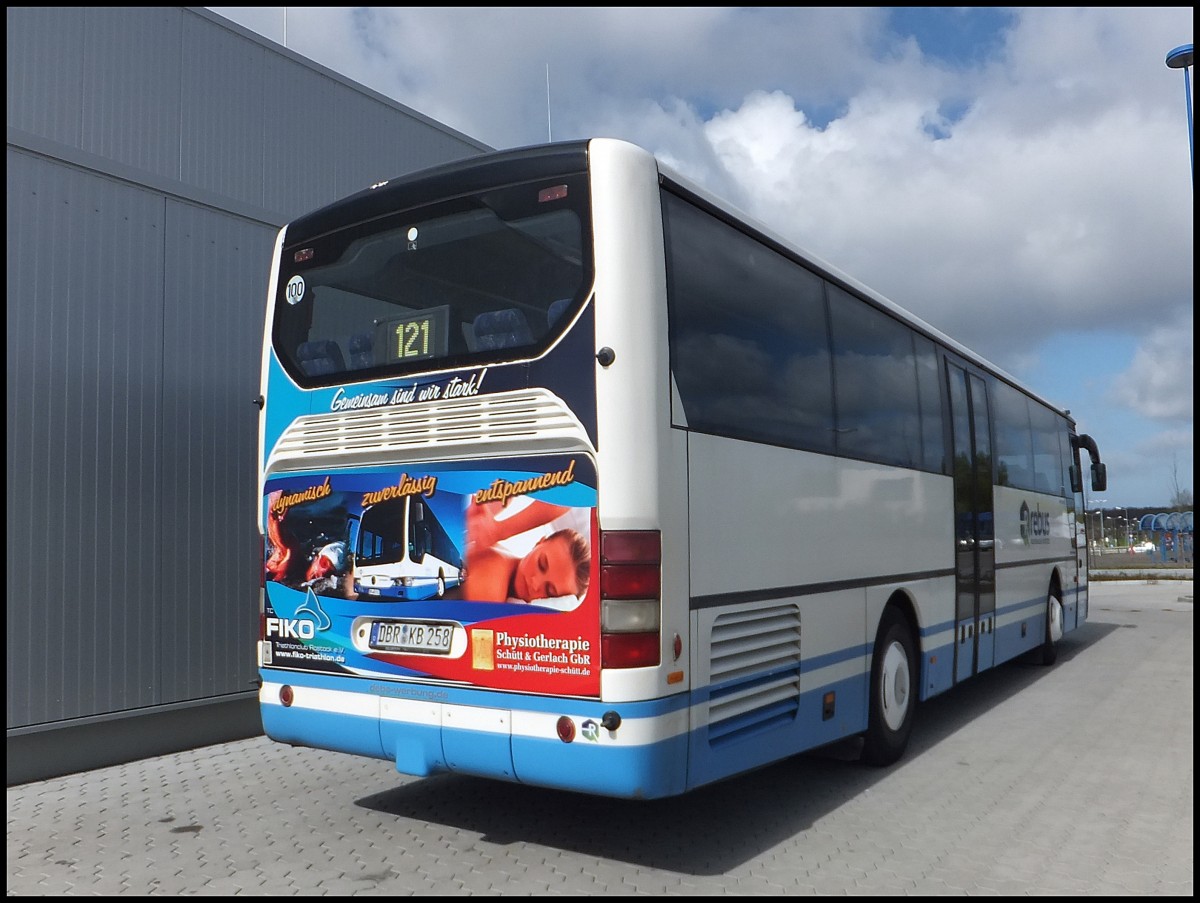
(893, 691)
(441, 585)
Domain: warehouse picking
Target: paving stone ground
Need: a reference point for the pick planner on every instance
(1070, 780)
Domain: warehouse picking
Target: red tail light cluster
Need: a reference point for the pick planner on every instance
(630, 598)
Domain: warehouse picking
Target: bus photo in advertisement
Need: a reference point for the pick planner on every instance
(572, 475)
(402, 551)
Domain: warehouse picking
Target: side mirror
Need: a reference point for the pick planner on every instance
(1099, 477)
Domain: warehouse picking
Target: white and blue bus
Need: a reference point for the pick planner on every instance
(718, 503)
(402, 551)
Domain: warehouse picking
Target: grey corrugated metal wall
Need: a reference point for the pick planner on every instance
(152, 154)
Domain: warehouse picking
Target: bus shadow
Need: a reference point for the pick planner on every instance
(715, 828)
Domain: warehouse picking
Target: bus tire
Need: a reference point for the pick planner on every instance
(893, 691)
(441, 585)
(1048, 653)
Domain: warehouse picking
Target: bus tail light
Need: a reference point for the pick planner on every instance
(565, 728)
(629, 650)
(630, 598)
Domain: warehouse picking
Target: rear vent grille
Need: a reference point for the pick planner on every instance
(530, 420)
(755, 668)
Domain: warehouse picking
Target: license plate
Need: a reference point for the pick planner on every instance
(432, 638)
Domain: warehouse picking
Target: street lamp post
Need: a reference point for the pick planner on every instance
(1181, 58)
(1098, 539)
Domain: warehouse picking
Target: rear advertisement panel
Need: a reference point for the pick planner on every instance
(482, 575)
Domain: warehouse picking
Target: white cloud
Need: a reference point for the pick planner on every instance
(1041, 190)
(1158, 384)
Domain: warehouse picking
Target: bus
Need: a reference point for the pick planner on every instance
(402, 551)
(718, 502)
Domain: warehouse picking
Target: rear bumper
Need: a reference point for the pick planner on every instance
(427, 729)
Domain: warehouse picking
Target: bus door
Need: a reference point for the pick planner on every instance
(974, 525)
(353, 525)
(1077, 612)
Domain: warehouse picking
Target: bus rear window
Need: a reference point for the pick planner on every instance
(479, 279)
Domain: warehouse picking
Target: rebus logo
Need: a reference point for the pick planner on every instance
(291, 628)
(1035, 524)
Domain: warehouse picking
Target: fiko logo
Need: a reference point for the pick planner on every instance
(291, 628)
(1035, 524)
(310, 618)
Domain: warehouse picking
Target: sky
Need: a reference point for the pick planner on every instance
(1019, 178)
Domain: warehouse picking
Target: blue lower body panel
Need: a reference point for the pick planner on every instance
(639, 772)
(338, 732)
(427, 731)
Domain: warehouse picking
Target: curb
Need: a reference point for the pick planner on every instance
(1164, 575)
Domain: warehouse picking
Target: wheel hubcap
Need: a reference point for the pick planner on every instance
(896, 686)
(1056, 620)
